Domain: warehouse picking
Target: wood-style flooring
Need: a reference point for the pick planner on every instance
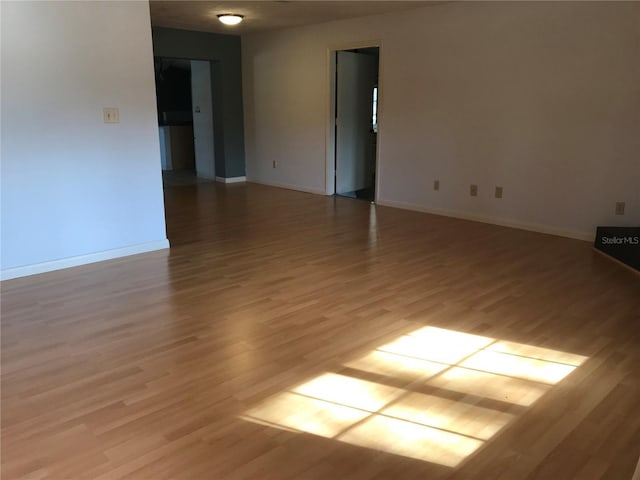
(294, 336)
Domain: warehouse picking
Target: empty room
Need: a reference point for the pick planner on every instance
(320, 240)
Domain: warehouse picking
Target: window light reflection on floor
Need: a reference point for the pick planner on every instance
(437, 345)
(354, 392)
(435, 415)
(396, 366)
(488, 385)
(517, 366)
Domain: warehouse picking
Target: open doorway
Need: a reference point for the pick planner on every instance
(356, 122)
(185, 119)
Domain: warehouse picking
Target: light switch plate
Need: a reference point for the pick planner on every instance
(111, 115)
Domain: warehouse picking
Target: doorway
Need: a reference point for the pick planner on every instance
(356, 122)
(185, 119)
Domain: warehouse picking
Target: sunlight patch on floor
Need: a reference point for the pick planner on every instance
(437, 345)
(537, 352)
(306, 414)
(350, 391)
(411, 440)
(460, 417)
(491, 386)
(519, 367)
(396, 366)
(458, 391)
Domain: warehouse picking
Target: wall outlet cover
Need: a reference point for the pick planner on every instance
(436, 184)
(498, 192)
(473, 190)
(620, 208)
(111, 115)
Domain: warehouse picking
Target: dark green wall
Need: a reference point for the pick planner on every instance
(226, 79)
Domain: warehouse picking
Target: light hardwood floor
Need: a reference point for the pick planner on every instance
(287, 335)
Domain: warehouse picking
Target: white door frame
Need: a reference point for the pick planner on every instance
(330, 165)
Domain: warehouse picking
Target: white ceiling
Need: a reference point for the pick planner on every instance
(266, 15)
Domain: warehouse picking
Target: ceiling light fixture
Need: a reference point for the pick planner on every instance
(230, 18)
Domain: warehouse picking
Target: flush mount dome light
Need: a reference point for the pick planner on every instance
(230, 18)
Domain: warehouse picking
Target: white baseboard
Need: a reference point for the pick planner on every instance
(231, 179)
(316, 191)
(532, 227)
(34, 269)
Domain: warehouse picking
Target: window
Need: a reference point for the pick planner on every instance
(375, 110)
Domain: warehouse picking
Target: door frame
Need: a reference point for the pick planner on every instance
(216, 111)
(330, 103)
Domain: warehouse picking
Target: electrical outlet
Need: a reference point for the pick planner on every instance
(275, 164)
(473, 190)
(619, 208)
(498, 192)
(436, 184)
(111, 115)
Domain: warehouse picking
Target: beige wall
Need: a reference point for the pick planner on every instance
(542, 99)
